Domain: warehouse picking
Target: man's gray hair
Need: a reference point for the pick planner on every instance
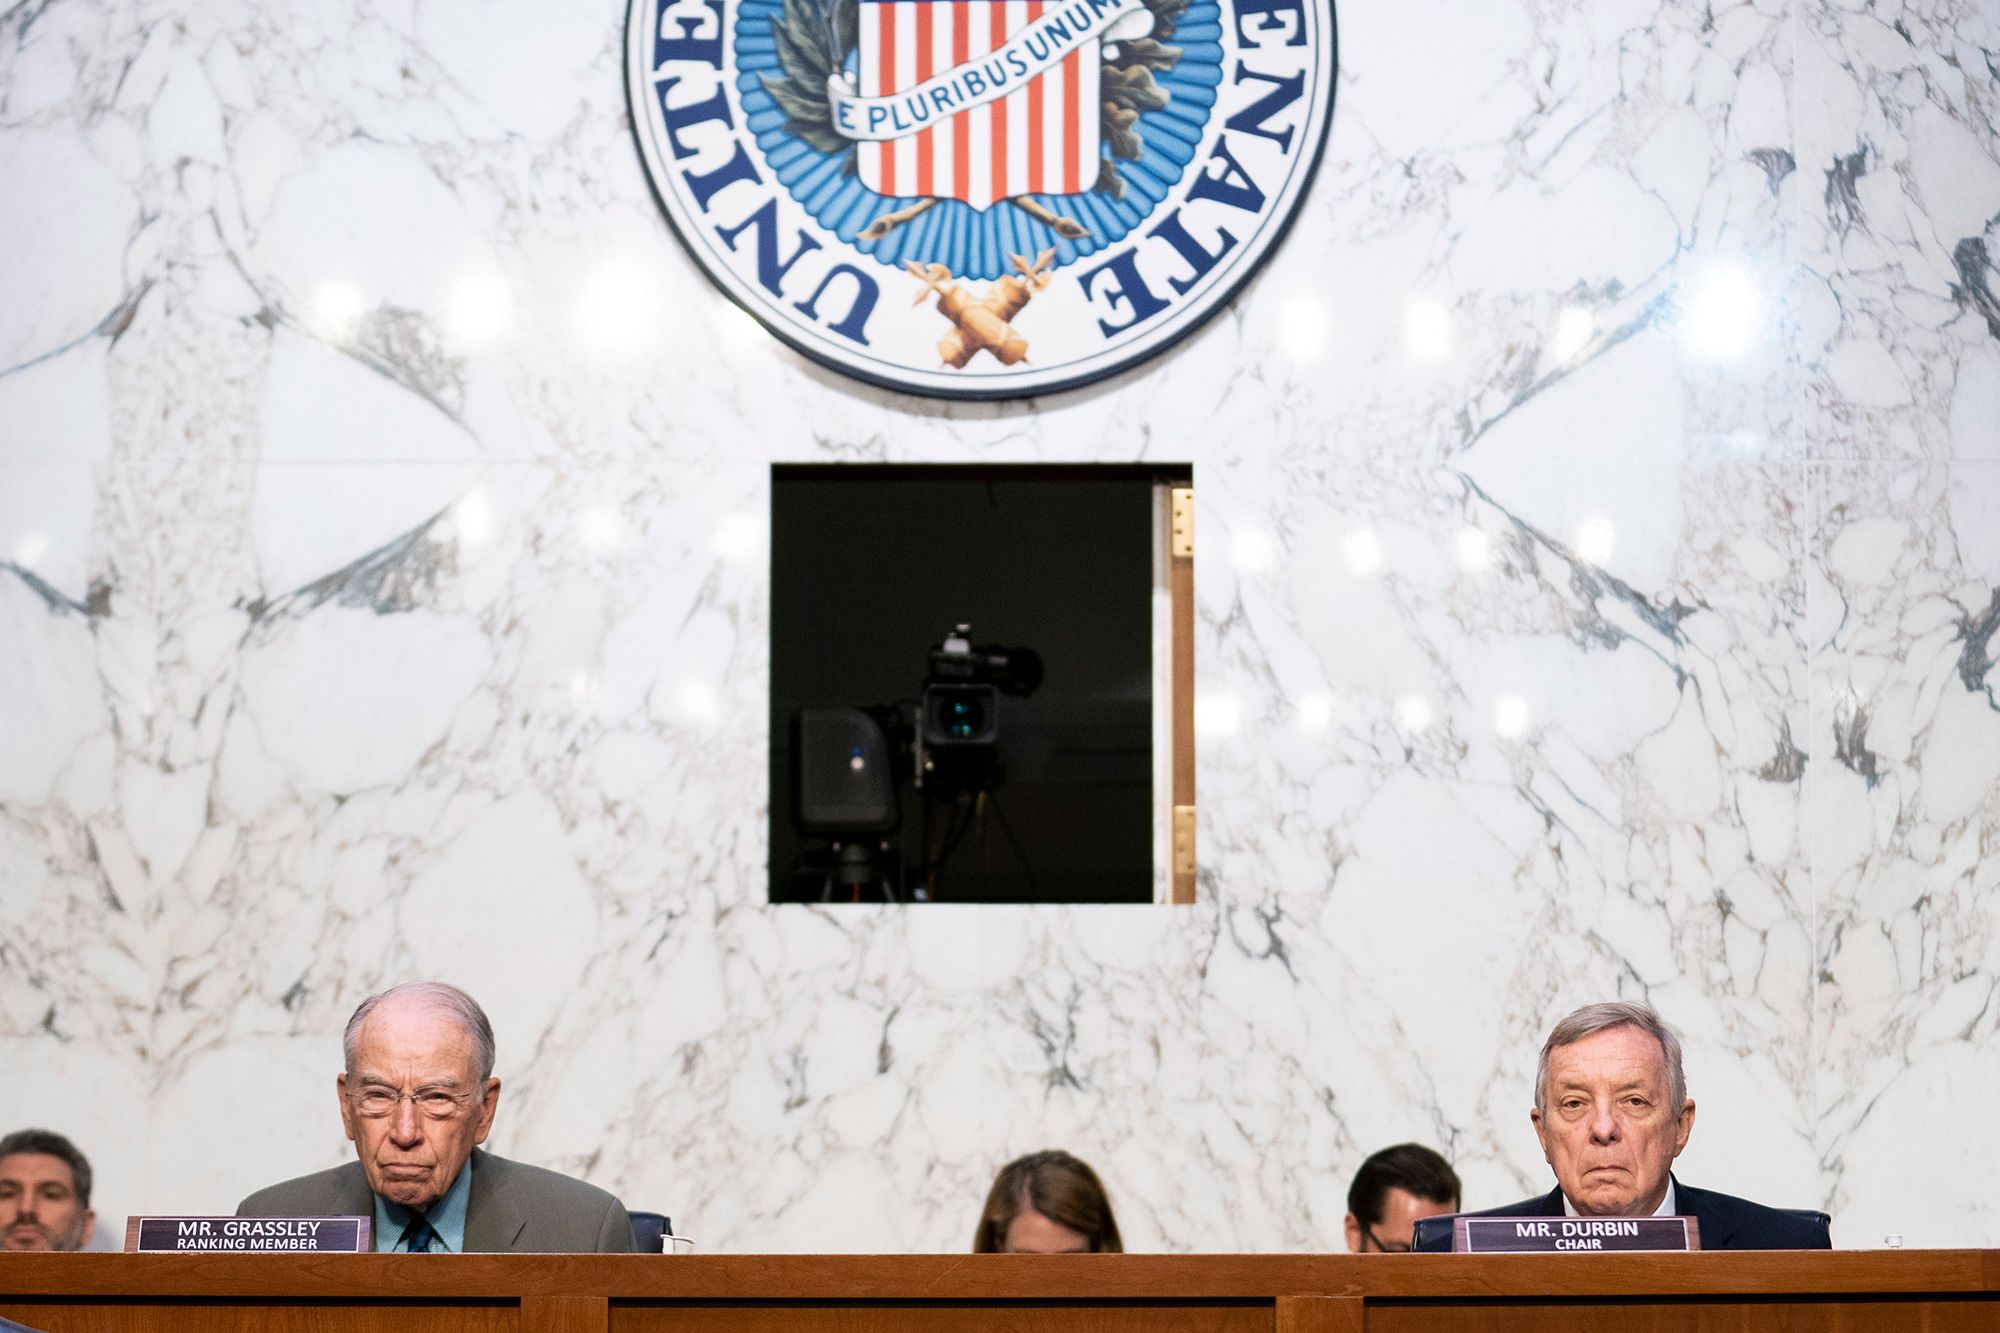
(1595, 1018)
(436, 995)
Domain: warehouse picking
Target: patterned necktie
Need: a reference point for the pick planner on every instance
(417, 1236)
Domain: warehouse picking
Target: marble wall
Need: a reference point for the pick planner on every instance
(1599, 588)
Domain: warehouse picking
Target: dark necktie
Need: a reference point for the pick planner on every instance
(417, 1236)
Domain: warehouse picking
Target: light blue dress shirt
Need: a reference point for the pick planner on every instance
(447, 1218)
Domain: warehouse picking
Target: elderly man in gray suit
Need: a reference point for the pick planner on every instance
(417, 1097)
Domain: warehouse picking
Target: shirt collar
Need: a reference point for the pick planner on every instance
(446, 1216)
(1666, 1208)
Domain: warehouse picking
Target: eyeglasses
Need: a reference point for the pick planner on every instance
(1385, 1246)
(380, 1103)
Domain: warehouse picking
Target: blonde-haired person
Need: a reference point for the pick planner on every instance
(1047, 1203)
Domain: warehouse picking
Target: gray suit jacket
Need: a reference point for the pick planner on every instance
(516, 1208)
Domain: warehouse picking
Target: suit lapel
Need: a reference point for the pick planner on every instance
(356, 1199)
(1716, 1230)
(491, 1224)
(1551, 1204)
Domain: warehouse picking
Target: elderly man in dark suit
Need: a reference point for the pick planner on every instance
(417, 1097)
(1612, 1113)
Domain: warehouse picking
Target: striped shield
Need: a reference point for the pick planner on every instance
(1041, 138)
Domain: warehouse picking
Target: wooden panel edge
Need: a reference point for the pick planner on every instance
(565, 1314)
(1180, 600)
(1320, 1314)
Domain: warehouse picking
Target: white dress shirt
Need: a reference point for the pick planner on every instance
(1666, 1208)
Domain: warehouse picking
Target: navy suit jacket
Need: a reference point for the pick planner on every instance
(1727, 1222)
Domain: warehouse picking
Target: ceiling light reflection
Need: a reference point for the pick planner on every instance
(698, 701)
(1364, 552)
(472, 519)
(33, 549)
(1510, 716)
(1596, 540)
(1315, 711)
(1217, 716)
(1475, 550)
(737, 326)
(479, 310)
(335, 308)
(615, 310)
(739, 537)
(1427, 326)
(1302, 329)
(1413, 712)
(1575, 327)
(1253, 551)
(601, 527)
(1720, 313)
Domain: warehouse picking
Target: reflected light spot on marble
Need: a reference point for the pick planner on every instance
(1253, 551)
(739, 537)
(1315, 711)
(1363, 550)
(601, 528)
(472, 519)
(1720, 313)
(480, 309)
(1575, 327)
(1475, 550)
(1510, 716)
(335, 308)
(582, 687)
(696, 700)
(1596, 540)
(33, 549)
(1413, 712)
(1217, 716)
(615, 311)
(737, 326)
(1302, 329)
(1427, 328)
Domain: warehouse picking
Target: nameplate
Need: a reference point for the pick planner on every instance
(1572, 1235)
(247, 1235)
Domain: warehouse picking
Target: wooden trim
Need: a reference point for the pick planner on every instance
(565, 1314)
(998, 1277)
(1180, 598)
(1319, 1314)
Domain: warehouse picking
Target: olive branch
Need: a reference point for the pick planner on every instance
(813, 38)
(1128, 89)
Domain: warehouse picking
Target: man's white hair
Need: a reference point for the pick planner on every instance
(1595, 1018)
(436, 995)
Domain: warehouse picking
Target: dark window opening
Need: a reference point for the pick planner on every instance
(1011, 762)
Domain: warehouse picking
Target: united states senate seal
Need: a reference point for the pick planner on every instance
(980, 198)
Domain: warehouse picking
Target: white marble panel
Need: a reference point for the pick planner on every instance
(1905, 816)
(1898, 334)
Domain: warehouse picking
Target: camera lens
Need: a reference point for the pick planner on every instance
(964, 718)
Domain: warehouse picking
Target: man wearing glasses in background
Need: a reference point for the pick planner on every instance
(417, 1097)
(1391, 1191)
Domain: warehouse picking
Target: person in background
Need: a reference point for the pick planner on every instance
(1047, 1203)
(44, 1193)
(1612, 1113)
(1394, 1188)
(417, 1096)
